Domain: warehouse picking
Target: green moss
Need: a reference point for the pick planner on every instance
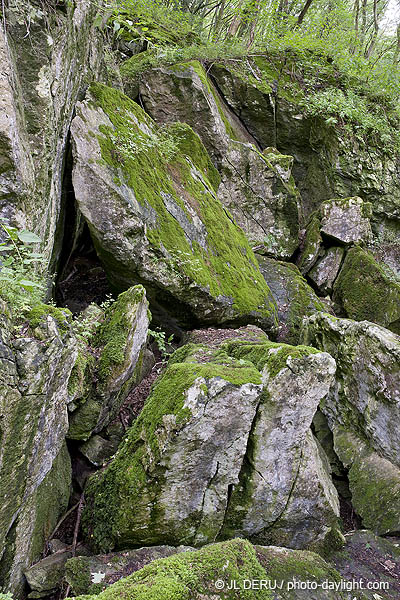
(368, 290)
(78, 576)
(62, 316)
(226, 266)
(270, 354)
(312, 243)
(111, 494)
(113, 332)
(79, 381)
(182, 575)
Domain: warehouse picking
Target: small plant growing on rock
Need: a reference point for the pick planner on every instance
(162, 342)
(20, 280)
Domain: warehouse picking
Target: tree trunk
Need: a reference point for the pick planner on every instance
(303, 12)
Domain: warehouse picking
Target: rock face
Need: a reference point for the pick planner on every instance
(44, 68)
(218, 451)
(328, 164)
(148, 197)
(118, 345)
(368, 290)
(346, 221)
(257, 188)
(325, 271)
(35, 468)
(193, 574)
(362, 409)
(294, 298)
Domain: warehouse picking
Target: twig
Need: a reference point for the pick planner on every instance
(63, 519)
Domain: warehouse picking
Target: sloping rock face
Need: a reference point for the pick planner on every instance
(362, 409)
(257, 188)
(219, 451)
(230, 570)
(35, 468)
(100, 381)
(45, 59)
(148, 197)
(294, 298)
(327, 163)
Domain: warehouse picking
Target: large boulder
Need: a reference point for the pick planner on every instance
(368, 290)
(109, 365)
(232, 570)
(363, 408)
(148, 197)
(35, 468)
(329, 161)
(223, 447)
(46, 54)
(257, 188)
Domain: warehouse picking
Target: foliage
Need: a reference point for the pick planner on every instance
(21, 281)
(163, 343)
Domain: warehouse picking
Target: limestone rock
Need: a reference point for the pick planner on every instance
(257, 188)
(97, 450)
(46, 576)
(288, 484)
(293, 296)
(148, 197)
(222, 448)
(263, 572)
(44, 65)
(362, 409)
(181, 455)
(35, 472)
(92, 574)
(368, 290)
(374, 482)
(346, 220)
(327, 162)
(324, 273)
(119, 345)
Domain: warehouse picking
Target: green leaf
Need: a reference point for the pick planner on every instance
(28, 237)
(28, 284)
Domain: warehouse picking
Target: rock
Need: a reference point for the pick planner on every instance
(36, 472)
(346, 220)
(119, 346)
(362, 409)
(293, 296)
(148, 197)
(311, 248)
(186, 448)
(82, 572)
(46, 576)
(257, 188)
(324, 273)
(233, 569)
(221, 450)
(328, 162)
(45, 66)
(368, 290)
(373, 480)
(97, 450)
(288, 484)
(373, 559)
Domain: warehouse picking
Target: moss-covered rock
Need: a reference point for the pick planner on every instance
(368, 290)
(294, 298)
(272, 99)
(257, 188)
(197, 464)
(118, 343)
(286, 476)
(155, 219)
(35, 468)
(233, 570)
(93, 574)
(362, 409)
